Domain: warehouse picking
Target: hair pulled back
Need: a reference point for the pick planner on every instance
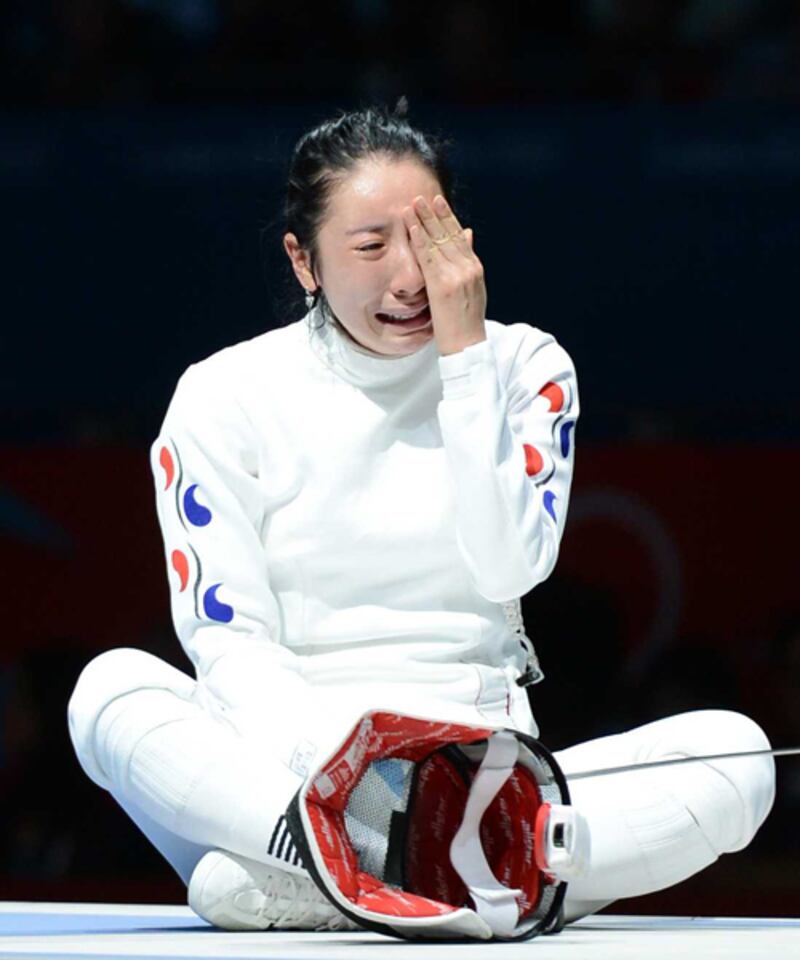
(328, 152)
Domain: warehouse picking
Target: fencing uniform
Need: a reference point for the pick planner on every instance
(358, 521)
(345, 531)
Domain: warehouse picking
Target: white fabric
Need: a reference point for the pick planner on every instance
(189, 781)
(653, 828)
(369, 517)
(494, 902)
(648, 829)
(109, 676)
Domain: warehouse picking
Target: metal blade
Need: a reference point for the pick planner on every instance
(670, 761)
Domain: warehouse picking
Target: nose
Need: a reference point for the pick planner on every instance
(407, 278)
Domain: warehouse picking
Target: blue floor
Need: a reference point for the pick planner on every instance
(25, 924)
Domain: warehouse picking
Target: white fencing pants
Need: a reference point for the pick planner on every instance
(653, 828)
(191, 783)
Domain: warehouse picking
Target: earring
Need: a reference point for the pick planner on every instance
(310, 297)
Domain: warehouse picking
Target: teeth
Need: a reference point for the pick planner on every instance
(407, 316)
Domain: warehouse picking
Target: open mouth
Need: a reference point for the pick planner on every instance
(408, 321)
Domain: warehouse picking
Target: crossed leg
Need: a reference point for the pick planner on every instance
(653, 828)
(192, 784)
(188, 781)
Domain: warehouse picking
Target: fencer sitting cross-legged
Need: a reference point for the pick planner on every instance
(352, 505)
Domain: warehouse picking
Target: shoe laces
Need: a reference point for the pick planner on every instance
(304, 904)
(284, 887)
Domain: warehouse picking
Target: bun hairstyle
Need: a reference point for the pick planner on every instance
(328, 152)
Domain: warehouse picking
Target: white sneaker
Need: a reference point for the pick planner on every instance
(235, 893)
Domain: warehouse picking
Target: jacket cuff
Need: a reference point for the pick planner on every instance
(463, 372)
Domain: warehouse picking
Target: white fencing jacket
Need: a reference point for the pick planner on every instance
(346, 531)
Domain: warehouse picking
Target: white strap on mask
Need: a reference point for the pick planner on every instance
(494, 903)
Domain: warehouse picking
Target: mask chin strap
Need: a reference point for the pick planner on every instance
(494, 903)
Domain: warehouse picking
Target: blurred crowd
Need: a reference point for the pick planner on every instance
(86, 52)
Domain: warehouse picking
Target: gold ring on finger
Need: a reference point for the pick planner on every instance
(441, 240)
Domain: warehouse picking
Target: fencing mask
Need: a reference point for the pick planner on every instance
(427, 829)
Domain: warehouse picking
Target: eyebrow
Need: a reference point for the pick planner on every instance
(370, 228)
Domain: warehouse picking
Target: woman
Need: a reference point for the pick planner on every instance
(352, 505)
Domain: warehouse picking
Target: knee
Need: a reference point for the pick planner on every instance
(753, 777)
(729, 798)
(751, 780)
(107, 677)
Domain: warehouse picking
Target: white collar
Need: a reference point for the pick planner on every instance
(359, 366)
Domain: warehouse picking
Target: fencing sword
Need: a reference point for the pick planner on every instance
(671, 761)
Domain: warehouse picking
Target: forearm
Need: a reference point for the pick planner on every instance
(508, 522)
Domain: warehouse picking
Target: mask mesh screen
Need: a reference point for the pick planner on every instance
(382, 791)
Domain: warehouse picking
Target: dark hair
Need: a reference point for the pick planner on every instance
(323, 155)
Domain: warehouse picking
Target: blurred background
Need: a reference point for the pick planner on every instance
(631, 171)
